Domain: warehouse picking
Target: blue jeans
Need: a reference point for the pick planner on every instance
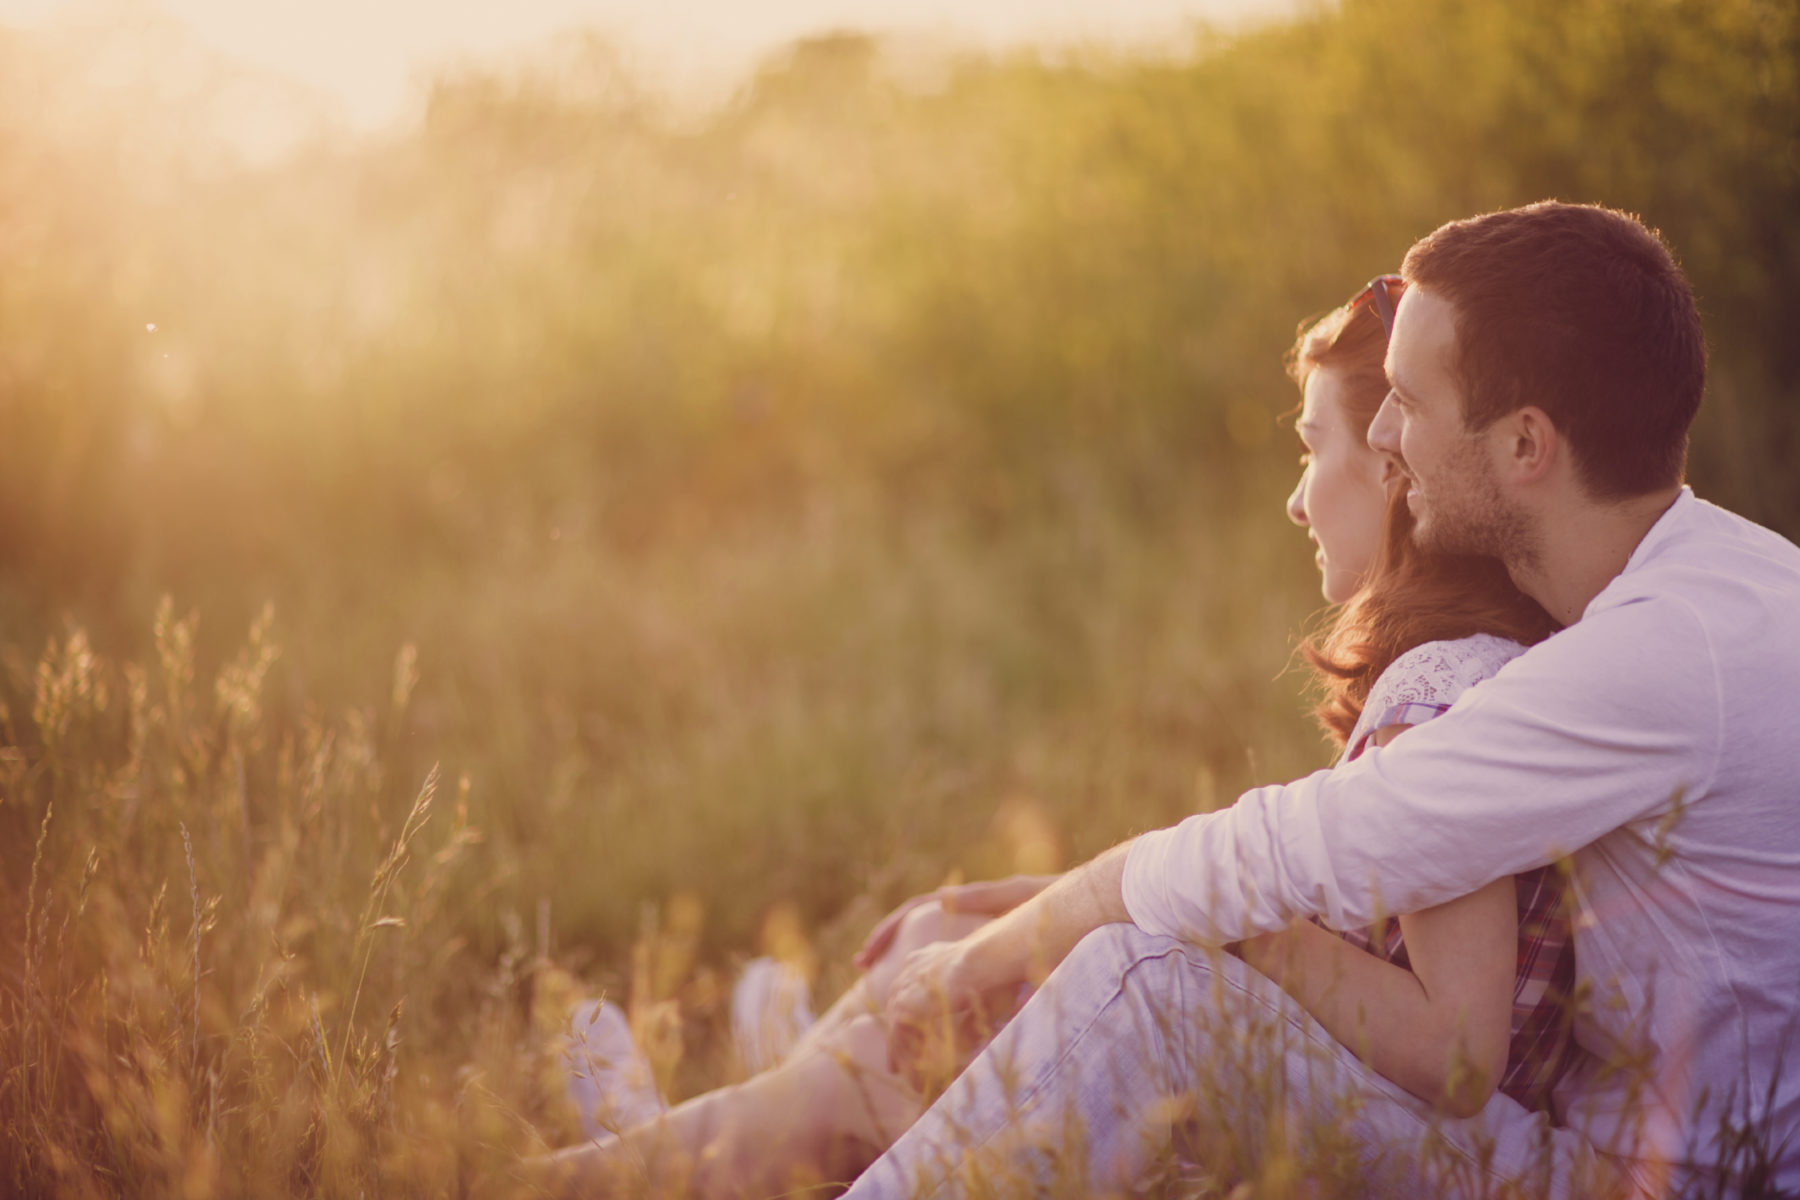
(1142, 1060)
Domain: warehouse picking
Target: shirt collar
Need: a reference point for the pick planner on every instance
(1663, 530)
(1666, 527)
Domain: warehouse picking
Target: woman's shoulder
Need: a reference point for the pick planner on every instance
(1427, 679)
(1451, 665)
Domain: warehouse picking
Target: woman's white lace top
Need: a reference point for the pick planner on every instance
(1426, 680)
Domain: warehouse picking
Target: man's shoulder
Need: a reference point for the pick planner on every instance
(1732, 573)
(1703, 621)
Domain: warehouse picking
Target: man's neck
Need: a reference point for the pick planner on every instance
(1582, 547)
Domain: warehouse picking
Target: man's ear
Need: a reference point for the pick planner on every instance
(1530, 444)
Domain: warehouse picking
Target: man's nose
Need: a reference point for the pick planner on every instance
(1384, 430)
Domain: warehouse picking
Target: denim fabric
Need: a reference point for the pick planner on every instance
(1144, 1060)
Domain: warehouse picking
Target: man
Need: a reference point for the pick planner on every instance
(1545, 365)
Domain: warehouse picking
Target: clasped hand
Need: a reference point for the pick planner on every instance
(947, 1001)
(949, 997)
(988, 898)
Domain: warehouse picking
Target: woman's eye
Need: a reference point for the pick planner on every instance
(1306, 458)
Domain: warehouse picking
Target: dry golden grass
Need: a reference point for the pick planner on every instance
(240, 971)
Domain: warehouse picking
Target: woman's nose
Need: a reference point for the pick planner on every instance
(1296, 503)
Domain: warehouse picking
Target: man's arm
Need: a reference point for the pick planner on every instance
(1579, 736)
(1572, 740)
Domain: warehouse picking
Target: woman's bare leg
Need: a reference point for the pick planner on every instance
(828, 1110)
(820, 1117)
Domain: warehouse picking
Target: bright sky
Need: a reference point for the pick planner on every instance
(368, 56)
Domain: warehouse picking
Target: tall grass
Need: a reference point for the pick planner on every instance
(227, 988)
(265, 949)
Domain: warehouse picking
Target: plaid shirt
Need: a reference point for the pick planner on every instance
(1541, 1048)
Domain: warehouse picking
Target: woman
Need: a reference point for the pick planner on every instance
(1472, 995)
(1466, 992)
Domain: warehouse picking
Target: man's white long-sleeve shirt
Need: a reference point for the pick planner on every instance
(1657, 742)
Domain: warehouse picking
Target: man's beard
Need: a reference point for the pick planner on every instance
(1472, 516)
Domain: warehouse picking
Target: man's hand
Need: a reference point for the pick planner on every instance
(988, 898)
(947, 999)
(951, 987)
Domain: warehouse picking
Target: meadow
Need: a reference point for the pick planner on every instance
(576, 543)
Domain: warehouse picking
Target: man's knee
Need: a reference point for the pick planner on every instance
(1167, 989)
(1114, 951)
(1201, 974)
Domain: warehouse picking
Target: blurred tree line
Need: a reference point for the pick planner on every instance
(394, 386)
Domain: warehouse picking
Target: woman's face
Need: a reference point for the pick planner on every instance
(1341, 498)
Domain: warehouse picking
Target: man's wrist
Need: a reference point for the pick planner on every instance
(999, 953)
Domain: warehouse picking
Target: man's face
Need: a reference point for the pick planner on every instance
(1453, 492)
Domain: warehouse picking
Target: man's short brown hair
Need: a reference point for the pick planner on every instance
(1583, 312)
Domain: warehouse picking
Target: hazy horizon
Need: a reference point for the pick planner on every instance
(365, 64)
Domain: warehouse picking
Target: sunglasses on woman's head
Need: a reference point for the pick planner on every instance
(1383, 292)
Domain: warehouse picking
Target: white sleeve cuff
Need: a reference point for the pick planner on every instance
(1145, 884)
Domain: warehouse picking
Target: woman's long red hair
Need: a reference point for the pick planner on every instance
(1410, 596)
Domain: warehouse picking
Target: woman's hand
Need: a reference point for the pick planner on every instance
(987, 898)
